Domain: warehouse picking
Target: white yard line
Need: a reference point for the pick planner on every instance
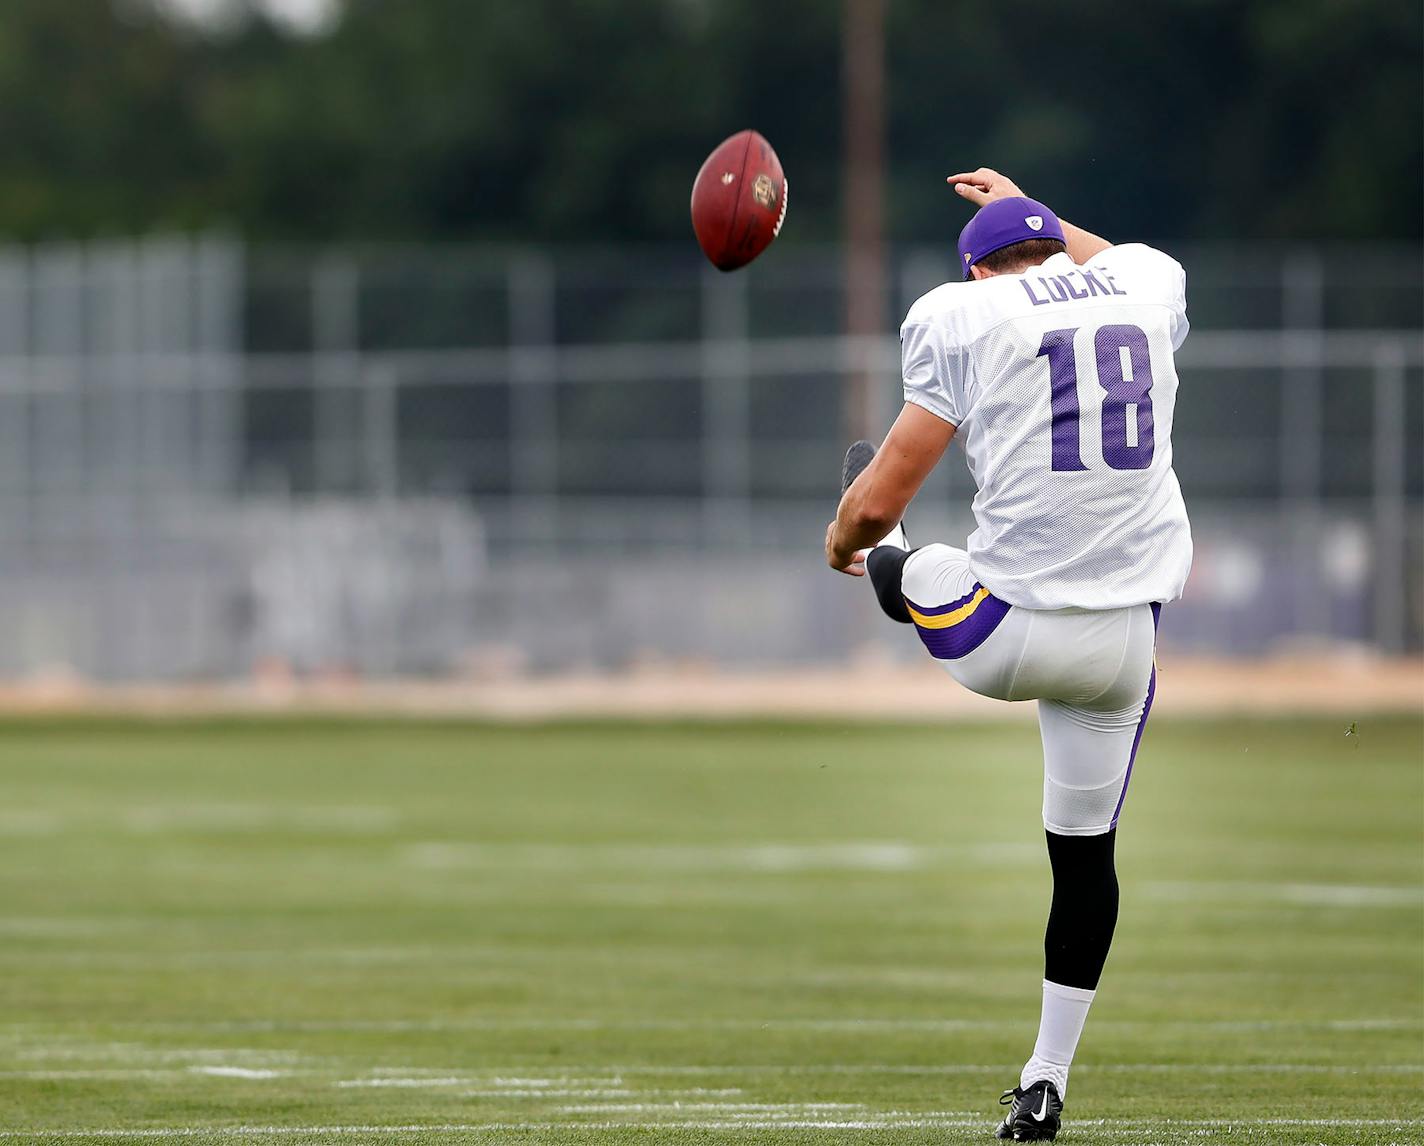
(1295, 894)
(562, 1086)
(442, 1128)
(798, 1108)
(117, 1074)
(402, 1083)
(892, 1121)
(484, 1086)
(613, 1092)
(761, 857)
(974, 1068)
(558, 1079)
(64, 1047)
(221, 818)
(1251, 1068)
(398, 1026)
(121, 1074)
(67, 927)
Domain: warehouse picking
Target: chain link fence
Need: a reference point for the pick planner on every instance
(441, 460)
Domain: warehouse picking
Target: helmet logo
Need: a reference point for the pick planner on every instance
(1035, 222)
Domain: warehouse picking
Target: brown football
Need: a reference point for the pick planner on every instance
(738, 201)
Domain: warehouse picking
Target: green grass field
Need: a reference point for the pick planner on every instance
(414, 932)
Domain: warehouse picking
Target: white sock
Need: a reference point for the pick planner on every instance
(1065, 1010)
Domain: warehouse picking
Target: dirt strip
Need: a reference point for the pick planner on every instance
(1345, 685)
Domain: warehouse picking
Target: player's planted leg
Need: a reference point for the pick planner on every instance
(1081, 921)
(1035, 1113)
(1083, 913)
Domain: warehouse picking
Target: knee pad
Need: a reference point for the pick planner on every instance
(1082, 813)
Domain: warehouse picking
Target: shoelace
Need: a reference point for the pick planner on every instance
(1009, 1095)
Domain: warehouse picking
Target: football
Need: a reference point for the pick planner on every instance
(738, 200)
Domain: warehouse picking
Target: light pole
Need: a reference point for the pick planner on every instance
(863, 110)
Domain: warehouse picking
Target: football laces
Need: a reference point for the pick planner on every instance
(781, 215)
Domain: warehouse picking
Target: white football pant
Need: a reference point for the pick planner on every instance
(1091, 672)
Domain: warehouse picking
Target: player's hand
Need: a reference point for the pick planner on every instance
(983, 186)
(850, 562)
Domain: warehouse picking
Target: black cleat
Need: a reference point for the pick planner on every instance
(1035, 1113)
(860, 455)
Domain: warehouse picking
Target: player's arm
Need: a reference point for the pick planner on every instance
(985, 185)
(877, 499)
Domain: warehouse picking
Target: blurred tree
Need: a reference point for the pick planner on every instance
(586, 119)
(97, 117)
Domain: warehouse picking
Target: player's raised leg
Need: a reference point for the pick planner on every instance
(977, 638)
(884, 562)
(857, 458)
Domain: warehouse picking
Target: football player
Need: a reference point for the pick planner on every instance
(1053, 363)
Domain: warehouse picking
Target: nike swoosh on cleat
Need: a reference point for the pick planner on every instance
(1042, 1110)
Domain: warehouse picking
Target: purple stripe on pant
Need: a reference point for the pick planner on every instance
(1142, 723)
(961, 639)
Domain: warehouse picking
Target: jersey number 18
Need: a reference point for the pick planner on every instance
(1125, 373)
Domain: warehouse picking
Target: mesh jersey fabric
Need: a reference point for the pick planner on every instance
(1062, 383)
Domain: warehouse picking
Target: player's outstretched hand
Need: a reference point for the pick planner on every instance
(983, 186)
(852, 563)
(856, 566)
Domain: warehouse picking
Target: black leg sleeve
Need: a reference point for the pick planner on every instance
(884, 567)
(1084, 911)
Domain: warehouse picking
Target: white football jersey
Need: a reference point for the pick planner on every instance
(1062, 384)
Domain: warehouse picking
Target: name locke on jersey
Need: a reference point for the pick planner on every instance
(1060, 288)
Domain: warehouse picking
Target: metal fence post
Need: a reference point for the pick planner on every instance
(1303, 428)
(922, 271)
(15, 384)
(380, 461)
(16, 416)
(1389, 497)
(57, 503)
(127, 451)
(335, 334)
(165, 269)
(726, 371)
(534, 428)
(218, 340)
(58, 339)
(219, 426)
(382, 442)
(117, 343)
